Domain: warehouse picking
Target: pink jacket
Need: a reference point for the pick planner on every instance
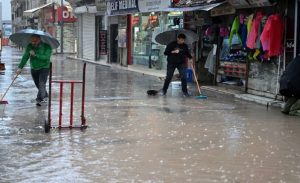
(272, 35)
(252, 36)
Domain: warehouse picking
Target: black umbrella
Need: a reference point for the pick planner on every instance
(166, 37)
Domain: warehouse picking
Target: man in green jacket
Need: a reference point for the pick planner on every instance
(39, 54)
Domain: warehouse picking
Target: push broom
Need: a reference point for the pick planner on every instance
(200, 96)
(3, 101)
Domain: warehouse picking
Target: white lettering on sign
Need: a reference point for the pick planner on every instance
(126, 4)
(122, 5)
(290, 45)
(67, 14)
(114, 5)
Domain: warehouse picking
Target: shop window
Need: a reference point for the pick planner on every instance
(145, 27)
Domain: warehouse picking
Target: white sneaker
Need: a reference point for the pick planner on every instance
(42, 103)
(46, 99)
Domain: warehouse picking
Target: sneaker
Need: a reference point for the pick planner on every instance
(162, 93)
(42, 103)
(186, 94)
(46, 99)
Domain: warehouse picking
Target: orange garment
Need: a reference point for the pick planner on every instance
(272, 35)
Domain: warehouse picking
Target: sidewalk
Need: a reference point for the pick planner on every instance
(216, 89)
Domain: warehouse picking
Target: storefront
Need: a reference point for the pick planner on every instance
(119, 33)
(146, 51)
(196, 18)
(48, 18)
(86, 32)
(69, 28)
(250, 54)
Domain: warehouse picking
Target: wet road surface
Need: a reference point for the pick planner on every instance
(135, 138)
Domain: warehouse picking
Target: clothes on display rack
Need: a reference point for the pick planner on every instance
(272, 35)
(254, 31)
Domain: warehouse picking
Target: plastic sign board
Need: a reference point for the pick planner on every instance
(122, 7)
(68, 16)
(153, 5)
(249, 3)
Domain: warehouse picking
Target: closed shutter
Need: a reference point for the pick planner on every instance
(69, 37)
(88, 36)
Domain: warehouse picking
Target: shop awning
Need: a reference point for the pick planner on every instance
(85, 9)
(207, 7)
(31, 11)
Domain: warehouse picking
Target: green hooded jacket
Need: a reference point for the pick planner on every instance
(41, 60)
(234, 30)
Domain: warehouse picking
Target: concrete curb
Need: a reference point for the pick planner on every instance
(89, 61)
(119, 67)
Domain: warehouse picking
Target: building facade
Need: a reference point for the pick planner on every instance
(125, 35)
(46, 15)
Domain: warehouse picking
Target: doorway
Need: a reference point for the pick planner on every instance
(113, 43)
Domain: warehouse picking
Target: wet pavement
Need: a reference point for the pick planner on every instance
(132, 137)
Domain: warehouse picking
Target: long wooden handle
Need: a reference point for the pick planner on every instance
(199, 90)
(9, 86)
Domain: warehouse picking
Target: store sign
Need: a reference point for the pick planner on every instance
(103, 42)
(249, 3)
(193, 3)
(153, 5)
(223, 10)
(101, 6)
(68, 16)
(122, 7)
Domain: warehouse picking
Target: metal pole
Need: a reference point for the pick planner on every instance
(71, 103)
(60, 103)
(83, 120)
(62, 27)
(50, 95)
(296, 28)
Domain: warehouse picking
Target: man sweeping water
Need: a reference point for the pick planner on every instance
(39, 54)
(177, 52)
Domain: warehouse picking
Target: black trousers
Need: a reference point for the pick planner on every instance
(40, 78)
(170, 72)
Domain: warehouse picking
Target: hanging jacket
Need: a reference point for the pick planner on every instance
(272, 35)
(234, 29)
(249, 23)
(243, 34)
(254, 32)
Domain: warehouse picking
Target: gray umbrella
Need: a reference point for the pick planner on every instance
(166, 37)
(23, 38)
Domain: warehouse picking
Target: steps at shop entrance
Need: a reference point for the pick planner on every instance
(222, 90)
(260, 100)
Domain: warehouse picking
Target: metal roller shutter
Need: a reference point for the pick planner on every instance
(88, 36)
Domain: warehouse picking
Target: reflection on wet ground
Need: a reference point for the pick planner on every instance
(135, 138)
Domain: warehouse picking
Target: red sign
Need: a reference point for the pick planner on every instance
(67, 15)
(103, 42)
